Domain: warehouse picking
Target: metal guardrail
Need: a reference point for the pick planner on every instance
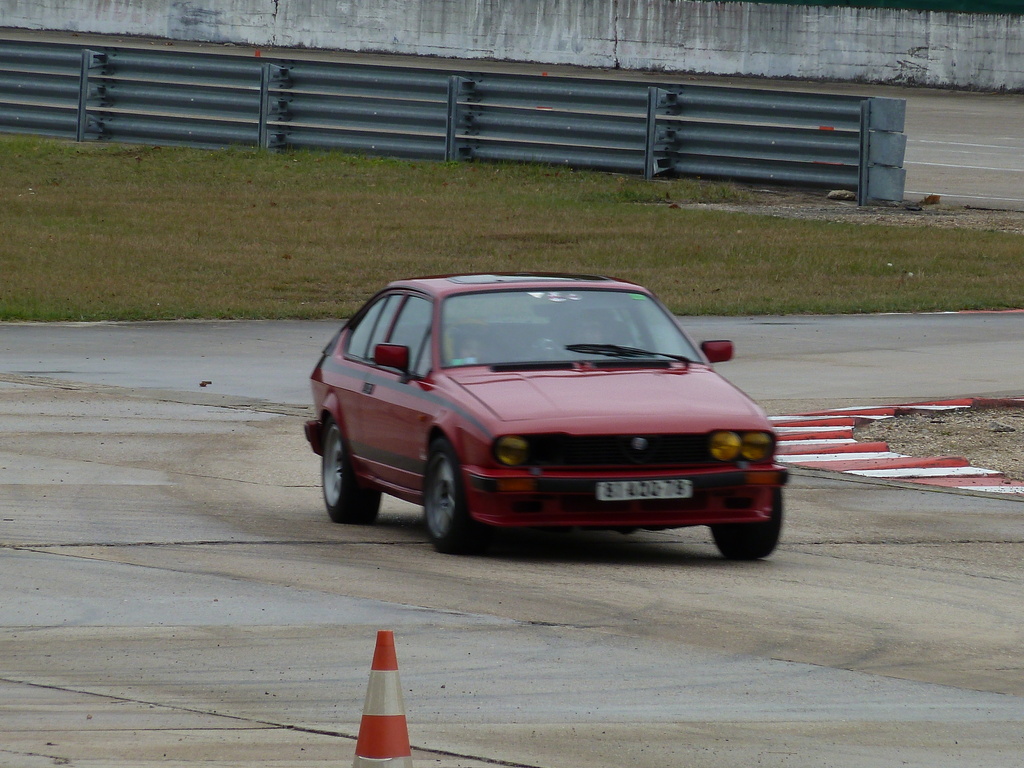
(217, 100)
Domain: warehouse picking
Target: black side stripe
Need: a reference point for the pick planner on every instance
(389, 458)
(379, 380)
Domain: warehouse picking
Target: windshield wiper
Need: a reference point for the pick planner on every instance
(617, 350)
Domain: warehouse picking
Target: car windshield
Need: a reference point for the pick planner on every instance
(538, 326)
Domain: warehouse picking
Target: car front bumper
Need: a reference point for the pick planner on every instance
(721, 496)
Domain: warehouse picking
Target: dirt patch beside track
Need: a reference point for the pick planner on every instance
(816, 206)
(992, 438)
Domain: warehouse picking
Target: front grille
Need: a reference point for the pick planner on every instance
(621, 450)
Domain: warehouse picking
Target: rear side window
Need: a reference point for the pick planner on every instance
(412, 331)
(372, 327)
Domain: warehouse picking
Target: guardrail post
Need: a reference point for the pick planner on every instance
(90, 60)
(456, 117)
(652, 129)
(660, 145)
(272, 107)
(881, 175)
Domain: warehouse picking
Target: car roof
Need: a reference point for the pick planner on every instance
(444, 285)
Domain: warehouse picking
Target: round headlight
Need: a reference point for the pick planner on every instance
(756, 446)
(725, 446)
(512, 450)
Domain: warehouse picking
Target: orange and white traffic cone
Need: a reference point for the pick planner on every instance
(383, 733)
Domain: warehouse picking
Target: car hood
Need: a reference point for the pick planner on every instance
(690, 399)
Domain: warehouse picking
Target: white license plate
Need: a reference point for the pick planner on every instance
(627, 490)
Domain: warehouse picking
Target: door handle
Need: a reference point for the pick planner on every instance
(367, 388)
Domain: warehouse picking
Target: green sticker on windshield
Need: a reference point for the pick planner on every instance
(637, 297)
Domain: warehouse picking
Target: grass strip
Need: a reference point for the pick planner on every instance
(131, 232)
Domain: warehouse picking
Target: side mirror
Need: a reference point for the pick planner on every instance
(392, 356)
(717, 351)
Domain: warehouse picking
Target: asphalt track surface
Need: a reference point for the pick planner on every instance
(174, 594)
(966, 147)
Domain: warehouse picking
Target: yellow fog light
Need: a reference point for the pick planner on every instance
(725, 446)
(512, 450)
(756, 446)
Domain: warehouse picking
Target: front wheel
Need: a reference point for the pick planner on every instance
(750, 541)
(346, 502)
(449, 524)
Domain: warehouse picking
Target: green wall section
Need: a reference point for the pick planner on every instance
(952, 6)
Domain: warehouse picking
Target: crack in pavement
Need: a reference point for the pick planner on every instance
(256, 723)
(160, 395)
(46, 547)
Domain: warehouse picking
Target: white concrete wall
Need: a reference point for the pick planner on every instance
(900, 47)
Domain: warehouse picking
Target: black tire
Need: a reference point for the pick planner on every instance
(449, 525)
(346, 502)
(750, 541)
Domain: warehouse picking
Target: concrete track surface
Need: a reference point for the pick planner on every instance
(175, 595)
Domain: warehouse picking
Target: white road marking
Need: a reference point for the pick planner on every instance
(802, 458)
(924, 472)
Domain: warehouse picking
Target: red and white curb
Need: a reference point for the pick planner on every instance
(824, 440)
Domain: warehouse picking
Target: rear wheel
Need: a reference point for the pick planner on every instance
(449, 524)
(750, 541)
(346, 502)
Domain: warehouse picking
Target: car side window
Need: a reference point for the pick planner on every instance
(412, 329)
(372, 327)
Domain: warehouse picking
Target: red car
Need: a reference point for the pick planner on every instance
(540, 400)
